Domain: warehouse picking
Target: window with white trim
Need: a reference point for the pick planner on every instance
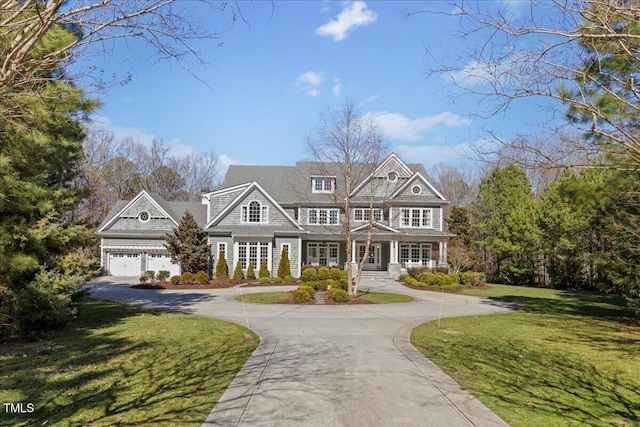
(364, 214)
(255, 212)
(416, 217)
(222, 249)
(323, 184)
(322, 216)
(322, 253)
(415, 254)
(254, 253)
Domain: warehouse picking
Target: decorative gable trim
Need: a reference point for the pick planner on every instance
(376, 225)
(392, 157)
(410, 181)
(133, 201)
(249, 187)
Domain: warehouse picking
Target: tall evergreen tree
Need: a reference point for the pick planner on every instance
(284, 267)
(188, 245)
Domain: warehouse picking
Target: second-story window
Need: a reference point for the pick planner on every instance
(254, 212)
(322, 216)
(321, 184)
(416, 217)
(365, 214)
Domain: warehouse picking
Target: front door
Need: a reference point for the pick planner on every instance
(372, 262)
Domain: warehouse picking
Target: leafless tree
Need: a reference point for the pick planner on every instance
(459, 185)
(579, 56)
(349, 145)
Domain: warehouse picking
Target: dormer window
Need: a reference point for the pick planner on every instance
(255, 212)
(323, 184)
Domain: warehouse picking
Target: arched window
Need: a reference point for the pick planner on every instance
(254, 211)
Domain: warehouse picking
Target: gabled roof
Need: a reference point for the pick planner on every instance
(248, 187)
(414, 177)
(376, 224)
(155, 199)
(391, 158)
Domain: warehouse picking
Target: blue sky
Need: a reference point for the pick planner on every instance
(272, 76)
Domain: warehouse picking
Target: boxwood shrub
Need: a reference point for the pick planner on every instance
(335, 273)
(338, 295)
(323, 273)
(186, 278)
(308, 289)
(201, 277)
(175, 280)
(264, 280)
(300, 296)
(277, 279)
(473, 279)
(289, 279)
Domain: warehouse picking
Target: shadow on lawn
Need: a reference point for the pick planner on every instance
(102, 372)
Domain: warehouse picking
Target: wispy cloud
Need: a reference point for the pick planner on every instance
(399, 127)
(310, 82)
(337, 86)
(353, 15)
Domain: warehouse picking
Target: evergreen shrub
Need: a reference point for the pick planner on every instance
(251, 274)
(289, 279)
(338, 295)
(163, 275)
(300, 296)
(186, 278)
(473, 279)
(309, 273)
(284, 267)
(222, 272)
(237, 273)
(308, 289)
(323, 273)
(264, 280)
(201, 277)
(175, 280)
(335, 273)
(264, 270)
(277, 279)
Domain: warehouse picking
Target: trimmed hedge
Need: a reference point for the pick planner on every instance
(289, 279)
(264, 280)
(473, 279)
(277, 279)
(300, 296)
(201, 277)
(323, 273)
(175, 280)
(338, 295)
(308, 289)
(308, 274)
(186, 278)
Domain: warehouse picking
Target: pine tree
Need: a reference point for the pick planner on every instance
(222, 272)
(264, 270)
(251, 274)
(284, 268)
(188, 245)
(237, 273)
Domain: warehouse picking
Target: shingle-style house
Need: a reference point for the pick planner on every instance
(261, 209)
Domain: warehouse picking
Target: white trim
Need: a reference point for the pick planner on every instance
(133, 201)
(299, 260)
(410, 181)
(391, 156)
(164, 248)
(218, 250)
(143, 220)
(375, 224)
(371, 211)
(323, 178)
(441, 218)
(328, 216)
(420, 220)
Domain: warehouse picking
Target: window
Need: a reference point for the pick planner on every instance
(322, 216)
(222, 249)
(392, 176)
(416, 217)
(361, 214)
(144, 216)
(254, 253)
(322, 253)
(323, 184)
(416, 189)
(415, 254)
(255, 212)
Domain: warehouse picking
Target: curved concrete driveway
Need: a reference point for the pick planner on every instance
(330, 365)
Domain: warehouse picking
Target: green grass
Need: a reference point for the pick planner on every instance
(278, 297)
(264, 297)
(383, 298)
(119, 365)
(565, 359)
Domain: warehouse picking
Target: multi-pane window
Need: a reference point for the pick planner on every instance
(255, 212)
(415, 254)
(362, 214)
(323, 184)
(322, 216)
(416, 217)
(254, 253)
(222, 249)
(322, 253)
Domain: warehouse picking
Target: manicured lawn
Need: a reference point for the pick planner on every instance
(279, 297)
(382, 298)
(566, 359)
(117, 365)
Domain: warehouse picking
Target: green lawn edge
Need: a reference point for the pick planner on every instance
(566, 358)
(117, 365)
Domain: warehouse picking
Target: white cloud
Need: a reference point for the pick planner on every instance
(310, 81)
(398, 126)
(430, 155)
(224, 162)
(353, 15)
(337, 87)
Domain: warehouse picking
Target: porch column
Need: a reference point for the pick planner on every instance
(353, 251)
(440, 253)
(444, 250)
(394, 252)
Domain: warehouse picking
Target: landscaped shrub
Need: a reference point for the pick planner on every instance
(222, 273)
(151, 275)
(318, 286)
(237, 273)
(330, 282)
(338, 295)
(264, 270)
(403, 277)
(413, 282)
(144, 277)
(438, 279)
(473, 279)
(186, 278)
(308, 289)
(323, 273)
(80, 264)
(334, 273)
(284, 267)
(415, 272)
(289, 279)
(264, 280)
(300, 296)
(175, 280)
(342, 283)
(163, 275)
(277, 279)
(309, 273)
(201, 277)
(251, 274)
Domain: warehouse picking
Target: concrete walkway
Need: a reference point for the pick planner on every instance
(331, 365)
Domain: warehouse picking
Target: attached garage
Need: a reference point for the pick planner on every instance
(159, 262)
(125, 264)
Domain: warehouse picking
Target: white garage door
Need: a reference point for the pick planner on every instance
(159, 262)
(124, 264)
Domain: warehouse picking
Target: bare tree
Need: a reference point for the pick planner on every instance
(349, 145)
(579, 56)
(459, 185)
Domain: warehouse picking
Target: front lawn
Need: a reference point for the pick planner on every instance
(285, 298)
(117, 365)
(566, 359)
